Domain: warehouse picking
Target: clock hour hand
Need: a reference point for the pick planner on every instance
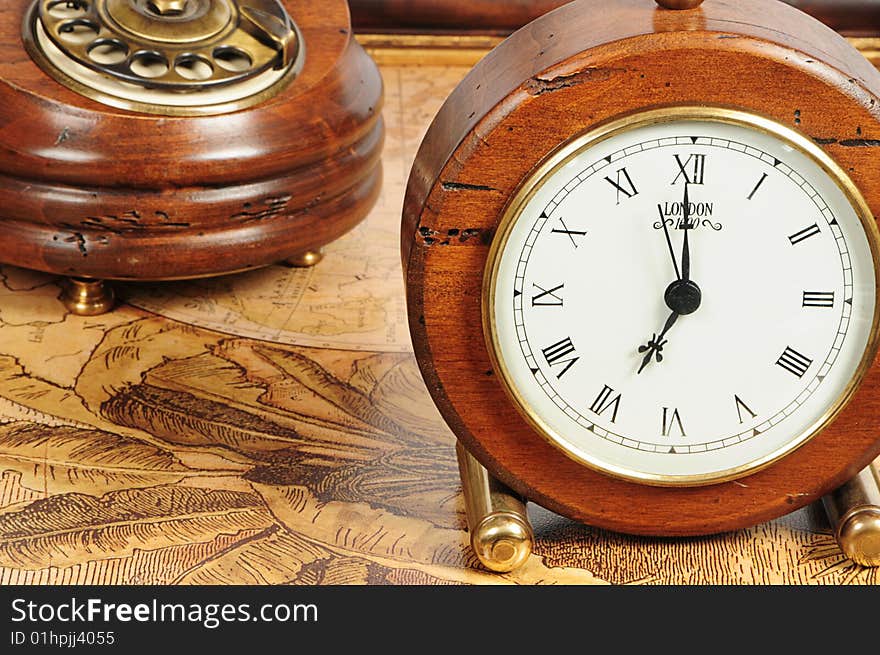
(654, 347)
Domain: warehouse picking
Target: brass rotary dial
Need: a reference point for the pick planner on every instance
(115, 49)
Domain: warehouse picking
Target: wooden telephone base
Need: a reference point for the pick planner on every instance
(239, 166)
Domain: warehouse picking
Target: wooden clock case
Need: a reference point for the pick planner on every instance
(574, 69)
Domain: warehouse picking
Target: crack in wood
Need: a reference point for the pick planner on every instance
(80, 242)
(63, 136)
(274, 207)
(848, 143)
(860, 143)
(461, 186)
(130, 221)
(538, 85)
(431, 237)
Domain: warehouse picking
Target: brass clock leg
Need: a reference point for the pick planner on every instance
(306, 259)
(87, 297)
(854, 512)
(501, 534)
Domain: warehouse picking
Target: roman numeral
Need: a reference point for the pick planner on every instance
(757, 186)
(670, 420)
(547, 297)
(806, 233)
(740, 405)
(624, 185)
(793, 362)
(819, 299)
(570, 233)
(693, 169)
(604, 402)
(559, 355)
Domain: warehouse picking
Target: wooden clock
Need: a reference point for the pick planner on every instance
(165, 139)
(642, 273)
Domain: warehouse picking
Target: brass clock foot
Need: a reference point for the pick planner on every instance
(87, 297)
(501, 534)
(306, 259)
(854, 512)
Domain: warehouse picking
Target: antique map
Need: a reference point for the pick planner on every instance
(272, 428)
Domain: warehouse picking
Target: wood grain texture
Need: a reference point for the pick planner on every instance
(857, 17)
(286, 394)
(503, 16)
(89, 190)
(503, 121)
(423, 16)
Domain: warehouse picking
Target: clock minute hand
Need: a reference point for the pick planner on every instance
(668, 240)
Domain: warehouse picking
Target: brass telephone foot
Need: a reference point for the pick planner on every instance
(854, 512)
(87, 297)
(306, 259)
(501, 534)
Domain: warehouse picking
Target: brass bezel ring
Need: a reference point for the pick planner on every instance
(565, 153)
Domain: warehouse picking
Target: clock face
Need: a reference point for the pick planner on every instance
(683, 301)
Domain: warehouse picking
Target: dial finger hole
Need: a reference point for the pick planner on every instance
(234, 60)
(67, 9)
(78, 31)
(149, 64)
(108, 52)
(193, 67)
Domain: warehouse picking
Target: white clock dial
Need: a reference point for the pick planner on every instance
(676, 352)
